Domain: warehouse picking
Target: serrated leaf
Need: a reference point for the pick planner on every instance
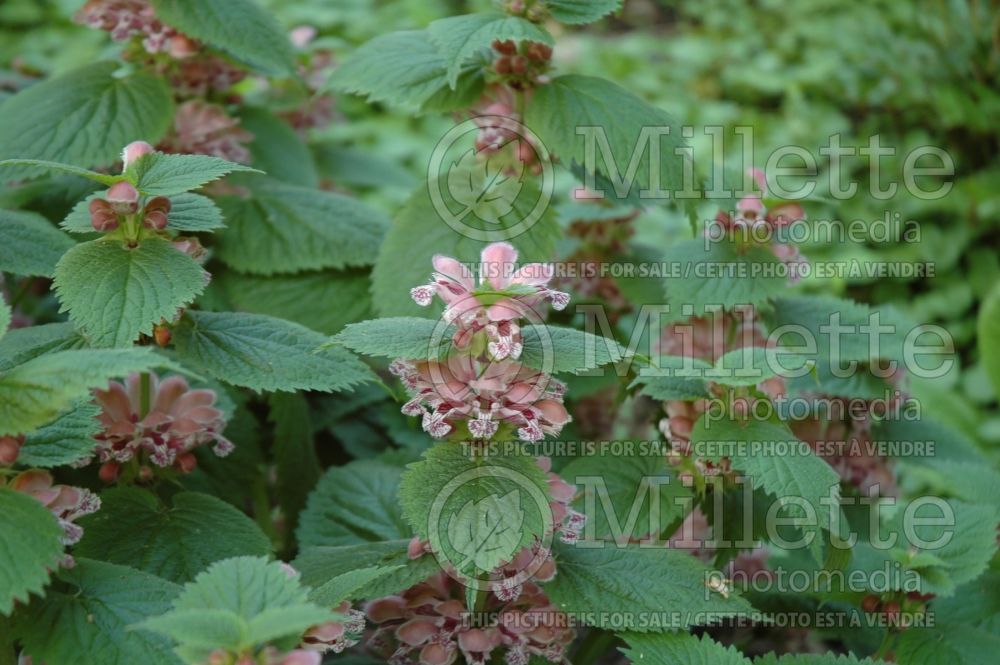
(656, 588)
(265, 353)
(679, 647)
(271, 605)
(60, 168)
(558, 349)
(418, 233)
(816, 659)
(352, 504)
(277, 149)
(721, 275)
(438, 487)
(22, 344)
(487, 531)
(31, 245)
(162, 174)
(188, 212)
(567, 103)
(483, 185)
(376, 70)
(577, 12)
(114, 294)
(344, 294)
(294, 453)
(173, 542)
(93, 618)
(627, 488)
(344, 587)
(458, 38)
(200, 629)
(31, 541)
(84, 116)
(67, 439)
(287, 229)
(320, 565)
(772, 458)
(988, 331)
(38, 391)
(241, 28)
(674, 378)
(751, 365)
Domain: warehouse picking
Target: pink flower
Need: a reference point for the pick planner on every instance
(484, 395)
(179, 420)
(10, 448)
(134, 151)
(336, 636)
(206, 129)
(503, 295)
(429, 624)
(65, 502)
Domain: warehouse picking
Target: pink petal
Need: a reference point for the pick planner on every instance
(535, 274)
(498, 263)
(454, 270)
(416, 631)
(552, 411)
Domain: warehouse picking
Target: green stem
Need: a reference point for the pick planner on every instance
(594, 645)
(144, 394)
(883, 648)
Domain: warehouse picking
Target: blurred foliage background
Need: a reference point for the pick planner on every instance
(921, 72)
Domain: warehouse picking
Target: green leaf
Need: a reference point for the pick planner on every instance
(679, 647)
(173, 542)
(286, 229)
(67, 439)
(31, 541)
(37, 392)
(22, 344)
(627, 488)
(406, 69)
(277, 149)
(200, 629)
(818, 659)
(294, 453)
(484, 187)
(84, 116)
(406, 337)
(265, 353)
(321, 565)
(188, 212)
(988, 331)
(348, 585)
(31, 245)
(674, 378)
(558, 349)
(162, 174)
(570, 102)
(721, 275)
(458, 38)
(418, 233)
(657, 588)
(357, 167)
(577, 12)
(241, 28)
(352, 504)
(114, 294)
(93, 618)
(67, 169)
(787, 471)
(263, 600)
(751, 365)
(344, 294)
(5, 317)
(436, 492)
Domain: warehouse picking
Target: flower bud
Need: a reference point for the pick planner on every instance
(539, 52)
(108, 473)
(162, 335)
(10, 446)
(182, 47)
(187, 462)
(155, 213)
(502, 65)
(869, 603)
(519, 64)
(102, 217)
(123, 197)
(507, 47)
(134, 151)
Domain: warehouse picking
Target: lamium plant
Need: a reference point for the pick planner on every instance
(383, 332)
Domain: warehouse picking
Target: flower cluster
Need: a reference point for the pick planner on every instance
(179, 420)
(336, 636)
(430, 624)
(492, 308)
(521, 65)
(65, 502)
(752, 216)
(707, 338)
(501, 132)
(484, 395)
(206, 129)
(482, 383)
(125, 19)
